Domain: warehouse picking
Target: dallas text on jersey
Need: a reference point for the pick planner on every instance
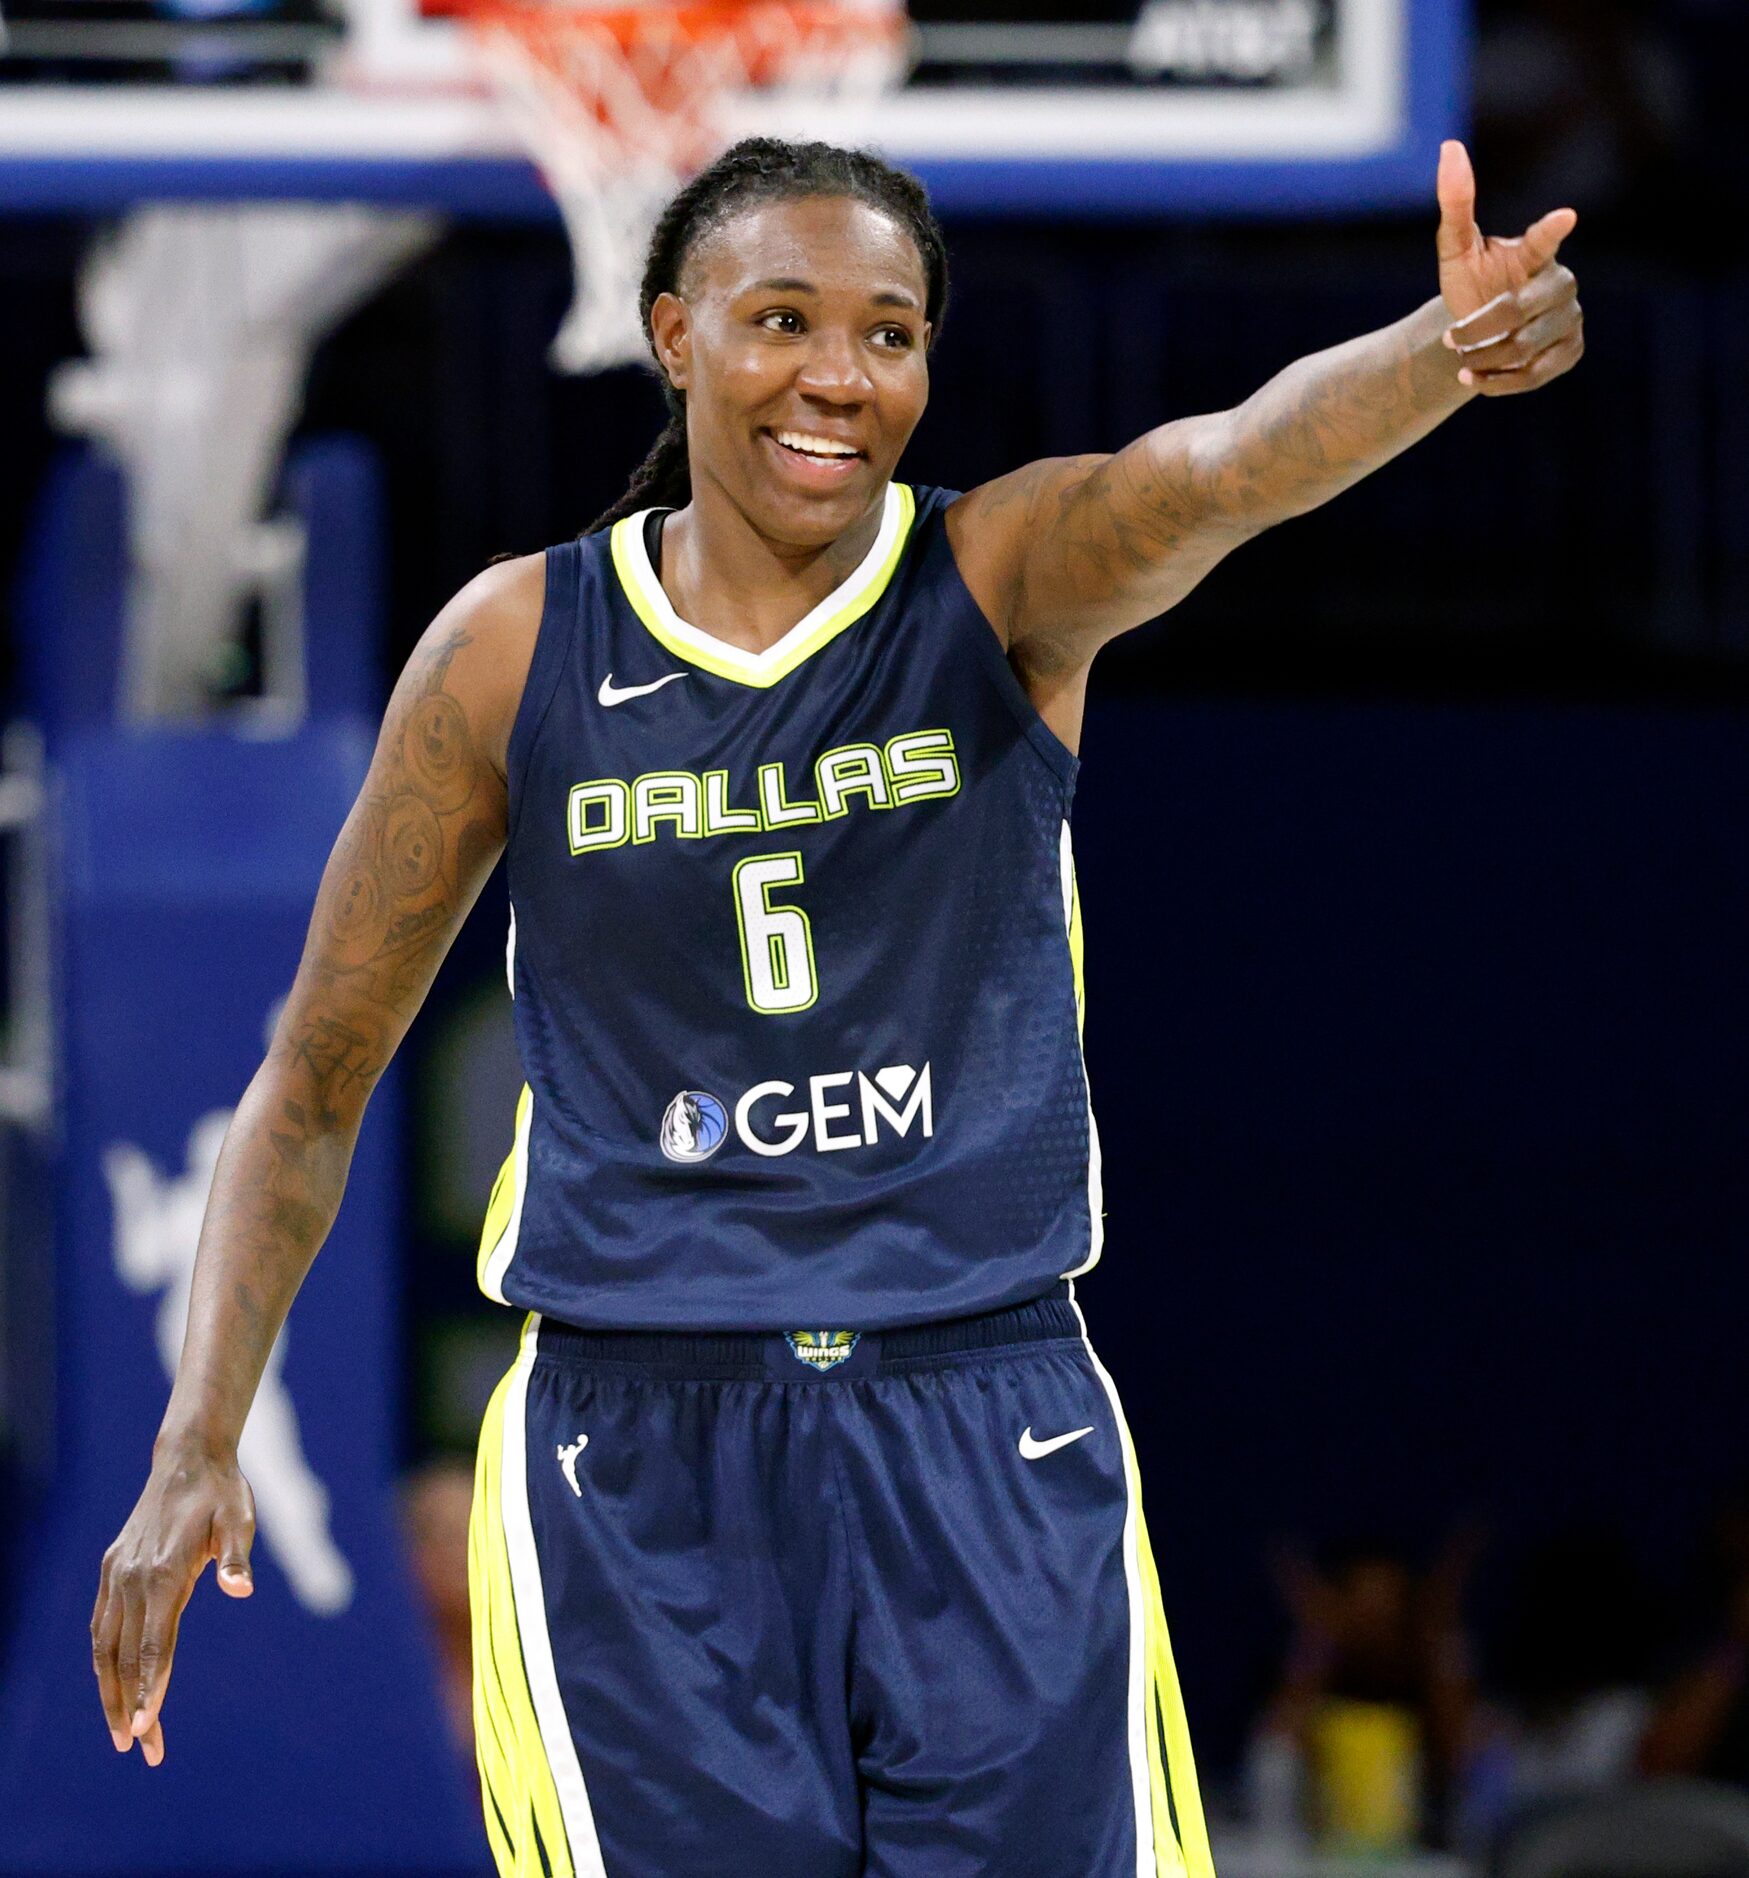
(918, 766)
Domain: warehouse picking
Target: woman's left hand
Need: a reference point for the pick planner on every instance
(1516, 321)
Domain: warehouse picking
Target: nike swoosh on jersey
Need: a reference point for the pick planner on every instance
(1031, 1450)
(611, 694)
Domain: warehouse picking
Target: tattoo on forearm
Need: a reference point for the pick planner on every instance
(1111, 541)
(334, 1053)
(248, 1310)
(1328, 420)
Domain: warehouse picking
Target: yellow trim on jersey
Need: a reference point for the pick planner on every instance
(1077, 953)
(523, 1821)
(503, 1223)
(1095, 1171)
(841, 608)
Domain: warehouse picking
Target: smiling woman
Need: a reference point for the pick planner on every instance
(846, 1602)
(806, 220)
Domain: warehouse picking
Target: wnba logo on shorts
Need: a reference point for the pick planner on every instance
(693, 1126)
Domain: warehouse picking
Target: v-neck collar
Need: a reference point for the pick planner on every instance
(841, 608)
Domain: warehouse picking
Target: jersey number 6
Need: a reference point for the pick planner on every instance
(777, 944)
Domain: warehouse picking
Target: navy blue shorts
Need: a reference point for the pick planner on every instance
(819, 1605)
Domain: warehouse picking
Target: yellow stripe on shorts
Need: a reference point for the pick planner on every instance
(1167, 1801)
(524, 1824)
(1181, 1839)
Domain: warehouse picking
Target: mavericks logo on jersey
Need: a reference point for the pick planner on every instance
(822, 1349)
(693, 1126)
(846, 1108)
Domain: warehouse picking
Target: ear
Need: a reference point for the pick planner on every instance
(671, 335)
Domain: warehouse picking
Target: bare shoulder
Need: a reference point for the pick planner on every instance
(478, 649)
(990, 529)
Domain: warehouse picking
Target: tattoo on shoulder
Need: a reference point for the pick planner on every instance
(437, 748)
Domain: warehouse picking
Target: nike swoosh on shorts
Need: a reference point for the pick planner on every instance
(1031, 1450)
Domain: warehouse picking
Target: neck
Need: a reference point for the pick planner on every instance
(730, 579)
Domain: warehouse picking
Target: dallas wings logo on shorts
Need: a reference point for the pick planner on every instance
(822, 1349)
(693, 1126)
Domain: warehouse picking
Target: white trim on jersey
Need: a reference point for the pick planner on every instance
(1095, 1170)
(496, 1262)
(842, 607)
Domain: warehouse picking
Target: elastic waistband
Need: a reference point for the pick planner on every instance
(829, 1354)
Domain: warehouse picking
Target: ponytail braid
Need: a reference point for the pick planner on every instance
(759, 170)
(663, 480)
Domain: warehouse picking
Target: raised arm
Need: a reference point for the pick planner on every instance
(1065, 554)
(410, 861)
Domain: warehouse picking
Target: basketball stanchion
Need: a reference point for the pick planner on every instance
(620, 104)
(303, 1731)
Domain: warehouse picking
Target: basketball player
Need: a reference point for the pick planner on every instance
(807, 1538)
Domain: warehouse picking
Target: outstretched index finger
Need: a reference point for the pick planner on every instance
(1543, 238)
(1456, 187)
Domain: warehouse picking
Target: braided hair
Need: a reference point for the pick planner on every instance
(759, 170)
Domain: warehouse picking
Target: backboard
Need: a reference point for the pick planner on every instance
(1109, 108)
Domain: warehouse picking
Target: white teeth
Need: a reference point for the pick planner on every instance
(810, 445)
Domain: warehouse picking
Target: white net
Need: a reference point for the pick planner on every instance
(619, 105)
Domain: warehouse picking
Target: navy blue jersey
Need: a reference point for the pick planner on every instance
(795, 958)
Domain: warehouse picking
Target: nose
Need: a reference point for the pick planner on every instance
(833, 369)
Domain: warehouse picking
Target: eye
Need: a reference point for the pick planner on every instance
(782, 319)
(895, 338)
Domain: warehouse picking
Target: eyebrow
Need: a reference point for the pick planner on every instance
(786, 283)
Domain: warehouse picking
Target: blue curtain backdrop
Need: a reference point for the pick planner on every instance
(1416, 1024)
(1417, 1039)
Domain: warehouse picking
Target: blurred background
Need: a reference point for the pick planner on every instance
(1412, 848)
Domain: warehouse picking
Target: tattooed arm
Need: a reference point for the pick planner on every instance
(1064, 555)
(415, 851)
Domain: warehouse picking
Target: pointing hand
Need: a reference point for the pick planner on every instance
(1514, 307)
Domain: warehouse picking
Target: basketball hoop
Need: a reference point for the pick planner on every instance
(620, 104)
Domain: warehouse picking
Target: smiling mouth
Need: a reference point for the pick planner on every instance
(803, 446)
